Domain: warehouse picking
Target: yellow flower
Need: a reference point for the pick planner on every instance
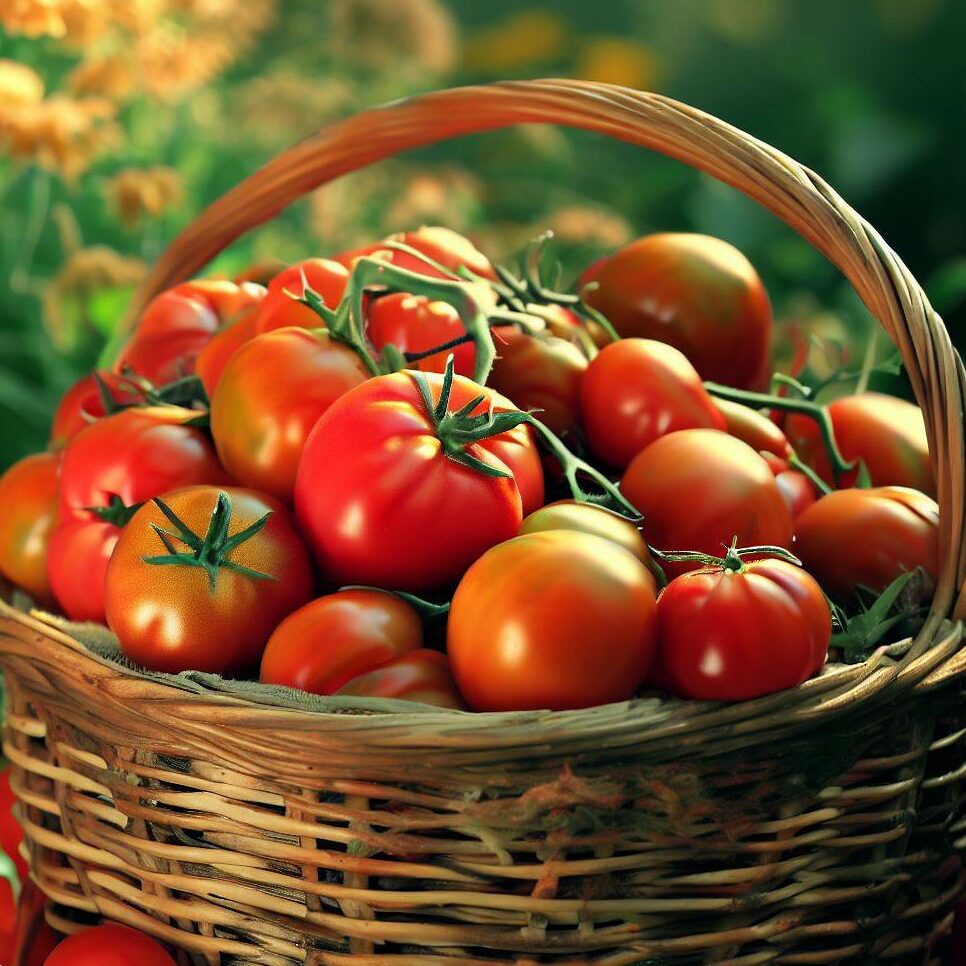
(582, 224)
(523, 40)
(20, 85)
(614, 60)
(33, 18)
(139, 192)
(61, 133)
(106, 76)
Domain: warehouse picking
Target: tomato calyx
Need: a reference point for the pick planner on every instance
(210, 552)
(117, 512)
(733, 560)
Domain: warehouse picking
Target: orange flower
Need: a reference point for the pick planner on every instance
(523, 40)
(582, 224)
(614, 60)
(136, 193)
(105, 76)
(33, 18)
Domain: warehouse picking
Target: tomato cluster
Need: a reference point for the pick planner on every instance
(591, 492)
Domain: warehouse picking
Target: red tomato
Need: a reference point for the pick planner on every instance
(532, 617)
(697, 293)
(134, 455)
(541, 374)
(11, 832)
(728, 634)
(422, 676)
(853, 538)
(109, 945)
(413, 323)
(637, 390)
(753, 428)
(280, 310)
(333, 639)
(700, 488)
(28, 496)
(77, 562)
(886, 433)
(213, 358)
(261, 273)
(430, 514)
(212, 606)
(797, 490)
(271, 394)
(82, 404)
(442, 245)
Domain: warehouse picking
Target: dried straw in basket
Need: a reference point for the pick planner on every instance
(819, 825)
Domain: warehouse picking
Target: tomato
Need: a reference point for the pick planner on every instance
(700, 488)
(422, 676)
(261, 273)
(565, 323)
(867, 538)
(133, 456)
(389, 493)
(77, 562)
(205, 606)
(213, 358)
(590, 518)
(753, 428)
(280, 310)
(532, 618)
(445, 247)
(888, 434)
(694, 292)
(28, 497)
(109, 945)
(413, 323)
(637, 390)
(83, 404)
(741, 630)
(797, 490)
(335, 638)
(270, 395)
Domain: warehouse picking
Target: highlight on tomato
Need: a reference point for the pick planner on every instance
(450, 483)
(270, 395)
(736, 629)
(637, 390)
(28, 513)
(753, 427)
(424, 676)
(201, 579)
(109, 945)
(699, 488)
(866, 538)
(554, 619)
(694, 292)
(884, 432)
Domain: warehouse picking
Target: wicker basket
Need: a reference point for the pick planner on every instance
(817, 825)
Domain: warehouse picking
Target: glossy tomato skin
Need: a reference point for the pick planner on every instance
(421, 675)
(852, 538)
(280, 310)
(637, 390)
(213, 358)
(167, 616)
(430, 516)
(754, 428)
(414, 323)
(727, 635)
(109, 945)
(270, 395)
(532, 618)
(541, 374)
(135, 455)
(695, 292)
(443, 245)
(28, 513)
(82, 404)
(77, 560)
(888, 434)
(699, 488)
(333, 639)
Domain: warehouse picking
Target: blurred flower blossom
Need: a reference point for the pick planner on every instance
(614, 60)
(20, 85)
(588, 225)
(105, 76)
(447, 195)
(138, 192)
(745, 20)
(523, 40)
(33, 18)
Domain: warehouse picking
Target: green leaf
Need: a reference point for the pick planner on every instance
(863, 632)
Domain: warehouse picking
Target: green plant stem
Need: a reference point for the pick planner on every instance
(733, 558)
(796, 464)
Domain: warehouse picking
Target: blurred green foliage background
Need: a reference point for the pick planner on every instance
(120, 119)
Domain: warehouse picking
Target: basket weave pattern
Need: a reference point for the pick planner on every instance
(817, 825)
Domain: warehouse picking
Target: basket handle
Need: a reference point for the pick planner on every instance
(794, 193)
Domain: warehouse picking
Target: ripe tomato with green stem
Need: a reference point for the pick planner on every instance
(84, 403)
(694, 292)
(737, 629)
(282, 308)
(28, 513)
(201, 579)
(532, 617)
(637, 390)
(699, 488)
(866, 538)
